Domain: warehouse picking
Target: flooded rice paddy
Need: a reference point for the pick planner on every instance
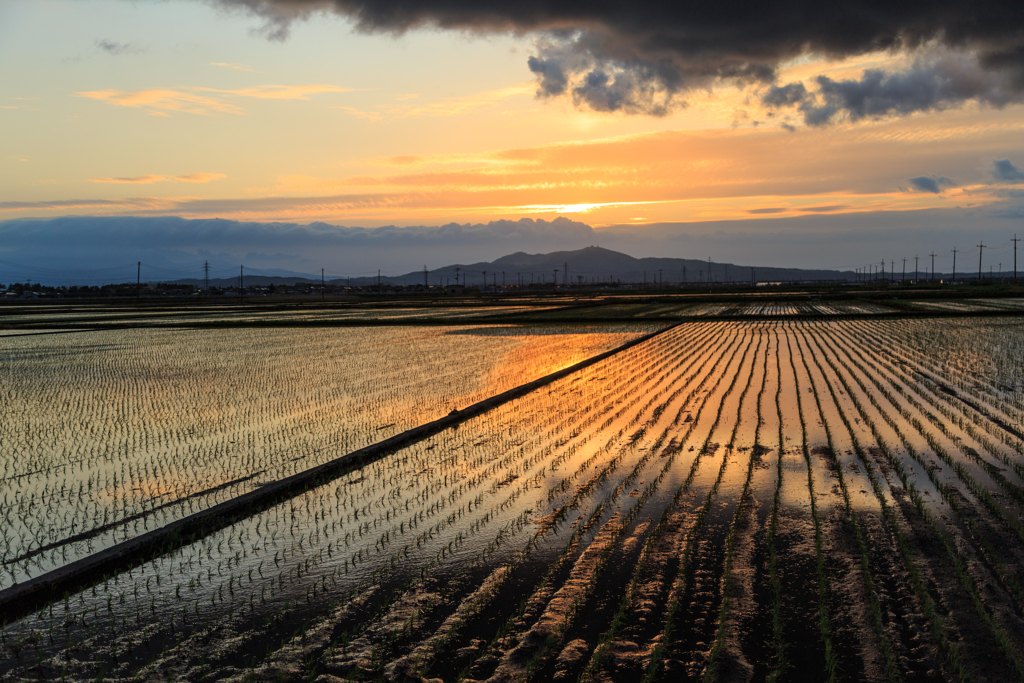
(106, 435)
(728, 500)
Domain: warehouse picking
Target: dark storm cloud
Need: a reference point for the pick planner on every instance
(933, 184)
(785, 96)
(643, 56)
(932, 83)
(1004, 170)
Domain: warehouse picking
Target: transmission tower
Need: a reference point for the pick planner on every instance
(1015, 240)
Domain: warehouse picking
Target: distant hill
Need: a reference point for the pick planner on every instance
(600, 265)
(592, 264)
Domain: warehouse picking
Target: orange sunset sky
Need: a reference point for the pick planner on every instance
(727, 135)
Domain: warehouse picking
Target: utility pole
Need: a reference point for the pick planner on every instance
(323, 287)
(425, 285)
(241, 282)
(206, 276)
(933, 266)
(752, 282)
(378, 280)
(1015, 240)
(565, 273)
(709, 269)
(915, 270)
(456, 277)
(981, 248)
(485, 279)
(892, 271)
(904, 281)
(661, 277)
(955, 250)
(554, 280)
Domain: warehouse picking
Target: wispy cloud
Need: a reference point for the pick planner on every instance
(236, 67)
(147, 179)
(278, 92)
(453, 106)
(371, 116)
(204, 101)
(159, 101)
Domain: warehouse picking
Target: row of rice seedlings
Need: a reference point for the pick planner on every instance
(584, 527)
(637, 393)
(586, 578)
(978, 359)
(566, 554)
(684, 573)
(1002, 566)
(986, 355)
(951, 649)
(824, 619)
(981, 426)
(627, 604)
(963, 363)
(891, 668)
(705, 449)
(161, 474)
(741, 507)
(657, 383)
(978, 489)
(969, 518)
(955, 408)
(779, 663)
(965, 580)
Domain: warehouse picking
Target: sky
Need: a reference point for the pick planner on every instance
(782, 134)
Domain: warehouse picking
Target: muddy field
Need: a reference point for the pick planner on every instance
(763, 500)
